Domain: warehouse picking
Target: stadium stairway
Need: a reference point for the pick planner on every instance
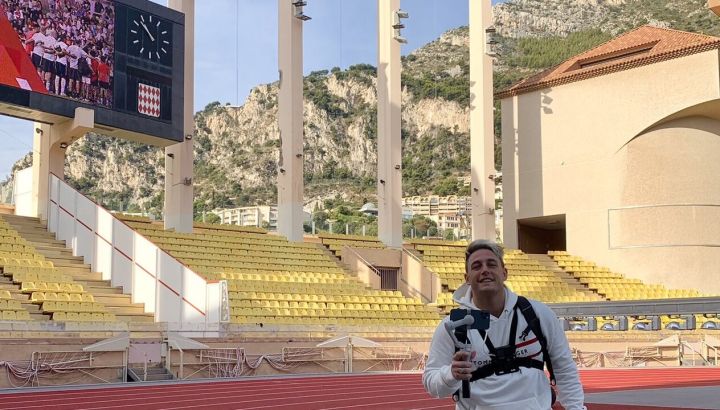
(153, 373)
(35, 232)
(548, 263)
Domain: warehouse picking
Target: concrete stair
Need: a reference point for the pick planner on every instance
(35, 232)
(154, 373)
(548, 263)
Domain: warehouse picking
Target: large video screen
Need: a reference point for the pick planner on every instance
(121, 58)
(59, 47)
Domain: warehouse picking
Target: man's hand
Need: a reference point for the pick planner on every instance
(461, 368)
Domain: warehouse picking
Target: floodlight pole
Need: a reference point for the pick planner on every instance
(389, 95)
(290, 119)
(178, 208)
(49, 145)
(482, 140)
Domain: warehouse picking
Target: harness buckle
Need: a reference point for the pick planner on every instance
(504, 360)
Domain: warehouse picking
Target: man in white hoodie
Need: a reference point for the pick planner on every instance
(515, 384)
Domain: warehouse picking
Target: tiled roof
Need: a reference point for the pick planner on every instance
(642, 46)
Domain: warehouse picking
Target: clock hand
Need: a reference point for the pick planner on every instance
(147, 31)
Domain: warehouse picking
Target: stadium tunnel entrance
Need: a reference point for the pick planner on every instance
(542, 234)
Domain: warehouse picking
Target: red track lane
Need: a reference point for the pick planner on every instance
(645, 378)
(388, 391)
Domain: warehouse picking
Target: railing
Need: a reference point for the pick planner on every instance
(639, 307)
(170, 290)
(707, 349)
(412, 255)
(695, 353)
(370, 265)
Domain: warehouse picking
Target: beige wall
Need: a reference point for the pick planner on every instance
(593, 148)
(385, 258)
(416, 280)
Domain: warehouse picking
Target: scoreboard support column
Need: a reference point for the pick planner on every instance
(178, 209)
(49, 145)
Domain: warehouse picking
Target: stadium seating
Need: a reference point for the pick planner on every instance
(525, 276)
(335, 242)
(615, 286)
(274, 281)
(43, 284)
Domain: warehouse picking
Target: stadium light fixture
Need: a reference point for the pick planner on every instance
(398, 25)
(491, 41)
(299, 14)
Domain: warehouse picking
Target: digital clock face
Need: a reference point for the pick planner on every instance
(150, 38)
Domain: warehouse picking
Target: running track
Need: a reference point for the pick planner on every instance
(357, 392)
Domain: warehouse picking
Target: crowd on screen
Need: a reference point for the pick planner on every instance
(70, 43)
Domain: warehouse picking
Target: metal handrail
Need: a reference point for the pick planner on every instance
(362, 259)
(714, 349)
(695, 353)
(413, 256)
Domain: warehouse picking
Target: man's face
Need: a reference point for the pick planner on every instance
(485, 272)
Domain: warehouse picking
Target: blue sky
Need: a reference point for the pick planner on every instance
(236, 48)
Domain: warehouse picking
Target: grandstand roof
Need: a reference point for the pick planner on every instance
(642, 46)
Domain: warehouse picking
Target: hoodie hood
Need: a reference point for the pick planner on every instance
(463, 297)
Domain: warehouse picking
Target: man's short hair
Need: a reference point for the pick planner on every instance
(484, 244)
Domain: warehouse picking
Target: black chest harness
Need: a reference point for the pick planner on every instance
(503, 360)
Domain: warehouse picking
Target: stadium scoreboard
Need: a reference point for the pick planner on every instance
(122, 58)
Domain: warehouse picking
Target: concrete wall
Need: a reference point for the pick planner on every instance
(386, 258)
(354, 261)
(592, 150)
(418, 281)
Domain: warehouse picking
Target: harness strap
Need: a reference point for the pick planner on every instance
(494, 368)
(534, 324)
(511, 339)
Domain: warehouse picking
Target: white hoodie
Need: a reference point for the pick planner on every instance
(527, 389)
